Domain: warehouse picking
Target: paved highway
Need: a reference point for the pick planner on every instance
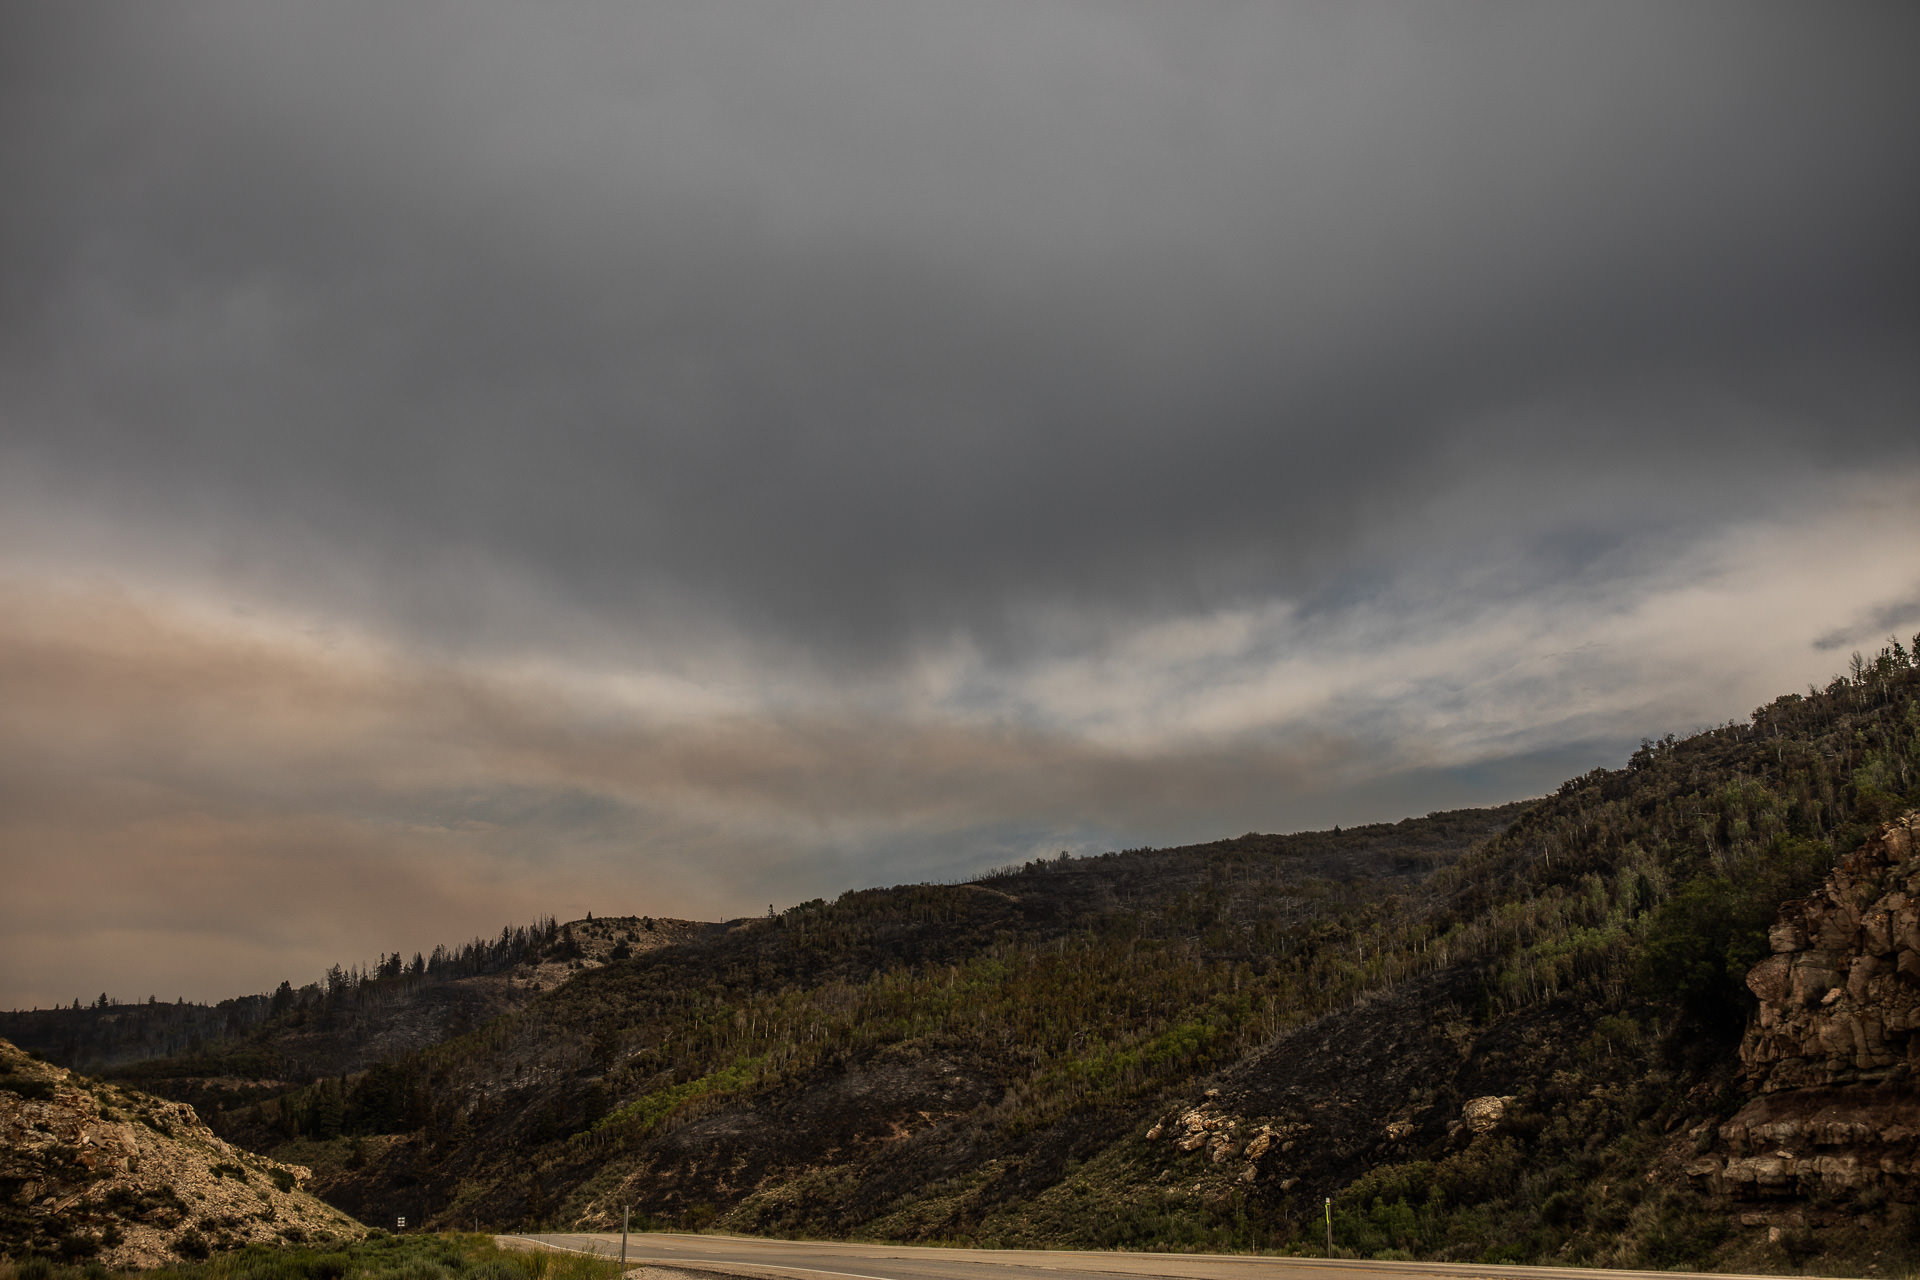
(815, 1260)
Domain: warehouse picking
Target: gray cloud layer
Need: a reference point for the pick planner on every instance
(1070, 368)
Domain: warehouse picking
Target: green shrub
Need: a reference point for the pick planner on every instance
(260, 1265)
(417, 1269)
(495, 1269)
(1704, 939)
(31, 1089)
(74, 1246)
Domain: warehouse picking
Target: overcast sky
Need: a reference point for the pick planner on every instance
(464, 462)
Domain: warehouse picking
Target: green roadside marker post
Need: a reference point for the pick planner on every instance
(1329, 1226)
(626, 1212)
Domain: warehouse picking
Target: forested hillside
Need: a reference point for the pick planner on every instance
(1036, 961)
(230, 1053)
(105, 1031)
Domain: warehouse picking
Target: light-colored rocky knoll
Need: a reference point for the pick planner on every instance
(92, 1170)
(1833, 1052)
(598, 940)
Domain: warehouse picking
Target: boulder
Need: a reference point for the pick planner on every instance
(1861, 973)
(1899, 843)
(1772, 979)
(1814, 974)
(1905, 923)
(1483, 1115)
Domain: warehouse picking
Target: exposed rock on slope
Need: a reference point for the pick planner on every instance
(1397, 1077)
(1840, 996)
(93, 1170)
(594, 941)
(1822, 1141)
(1833, 1051)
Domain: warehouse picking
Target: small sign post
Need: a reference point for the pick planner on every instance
(399, 1224)
(626, 1212)
(1329, 1226)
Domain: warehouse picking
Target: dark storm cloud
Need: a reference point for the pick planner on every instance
(874, 323)
(460, 461)
(194, 798)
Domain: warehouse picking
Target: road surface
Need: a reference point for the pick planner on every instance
(816, 1260)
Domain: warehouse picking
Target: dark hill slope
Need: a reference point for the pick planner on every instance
(242, 1049)
(1590, 979)
(1022, 1009)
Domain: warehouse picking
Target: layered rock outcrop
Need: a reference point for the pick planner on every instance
(1834, 1050)
(1840, 996)
(1830, 1141)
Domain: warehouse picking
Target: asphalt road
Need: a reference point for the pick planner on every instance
(815, 1260)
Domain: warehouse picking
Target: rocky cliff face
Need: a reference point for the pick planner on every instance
(1840, 996)
(92, 1170)
(1833, 1053)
